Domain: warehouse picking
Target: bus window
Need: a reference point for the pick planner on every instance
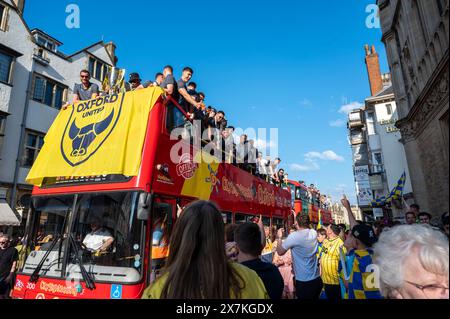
(298, 193)
(109, 237)
(162, 226)
(50, 222)
(278, 223)
(161, 231)
(266, 221)
(243, 218)
(227, 218)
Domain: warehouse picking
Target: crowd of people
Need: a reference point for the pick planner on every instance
(216, 131)
(315, 197)
(253, 261)
(256, 261)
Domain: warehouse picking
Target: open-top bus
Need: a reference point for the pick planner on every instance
(308, 203)
(132, 209)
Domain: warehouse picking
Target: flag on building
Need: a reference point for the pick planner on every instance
(396, 193)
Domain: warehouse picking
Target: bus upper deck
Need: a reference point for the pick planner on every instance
(130, 209)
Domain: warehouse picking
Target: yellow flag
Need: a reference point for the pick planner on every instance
(202, 184)
(97, 137)
(320, 224)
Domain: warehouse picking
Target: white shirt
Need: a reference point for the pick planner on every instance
(240, 152)
(262, 166)
(274, 168)
(95, 240)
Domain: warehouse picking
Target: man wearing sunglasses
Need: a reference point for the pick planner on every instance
(85, 90)
(8, 261)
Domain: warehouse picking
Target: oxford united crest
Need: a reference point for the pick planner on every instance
(89, 126)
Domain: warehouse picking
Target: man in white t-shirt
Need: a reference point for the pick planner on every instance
(99, 239)
(303, 245)
(273, 171)
(262, 164)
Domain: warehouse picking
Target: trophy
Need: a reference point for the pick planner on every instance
(114, 80)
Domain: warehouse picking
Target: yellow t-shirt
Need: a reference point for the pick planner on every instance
(329, 262)
(254, 287)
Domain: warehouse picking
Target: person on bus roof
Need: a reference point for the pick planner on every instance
(198, 110)
(135, 83)
(85, 90)
(187, 102)
(169, 84)
(159, 78)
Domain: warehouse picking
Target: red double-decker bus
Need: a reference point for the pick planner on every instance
(138, 212)
(299, 194)
(308, 202)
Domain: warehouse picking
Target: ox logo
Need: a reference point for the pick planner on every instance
(82, 138)
(89, 126)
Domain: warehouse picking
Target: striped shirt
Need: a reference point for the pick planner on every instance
(361, 282)
(329, 261)
(319, 250)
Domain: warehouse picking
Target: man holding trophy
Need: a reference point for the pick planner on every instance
(114, 81)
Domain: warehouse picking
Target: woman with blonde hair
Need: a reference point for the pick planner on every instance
(412, 263)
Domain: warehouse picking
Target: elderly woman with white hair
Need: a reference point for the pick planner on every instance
(413, 263)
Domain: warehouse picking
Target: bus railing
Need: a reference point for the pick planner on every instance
(231, 158)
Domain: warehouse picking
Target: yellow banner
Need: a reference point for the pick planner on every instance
(205, 180)
(97, 137)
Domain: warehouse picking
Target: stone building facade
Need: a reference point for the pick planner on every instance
(340, 216)
(379, 158)
(416, 36)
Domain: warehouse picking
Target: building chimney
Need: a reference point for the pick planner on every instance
(373, 70)
(111, 48)
(20, 4)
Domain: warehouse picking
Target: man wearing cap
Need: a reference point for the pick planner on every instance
(358, 281)
(135, 83)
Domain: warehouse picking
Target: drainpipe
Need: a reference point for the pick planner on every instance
(21, 139)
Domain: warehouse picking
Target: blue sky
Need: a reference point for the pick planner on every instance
(290, 65)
